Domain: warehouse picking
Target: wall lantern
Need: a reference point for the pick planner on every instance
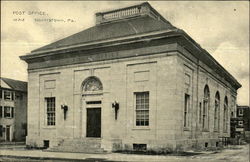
(65, 109)
(115, 105)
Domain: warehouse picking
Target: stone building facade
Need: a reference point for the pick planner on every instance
(133, 81)
(13, 110)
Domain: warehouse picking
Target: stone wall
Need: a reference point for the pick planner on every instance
(163, 75)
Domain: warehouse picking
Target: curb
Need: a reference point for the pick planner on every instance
(55, 158)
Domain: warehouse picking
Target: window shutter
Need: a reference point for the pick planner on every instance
(1, 130)
(5, 109)
(1, 111)
(12, 112)
(12, 95)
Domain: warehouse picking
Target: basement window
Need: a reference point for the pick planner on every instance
(139, 147)
(46, 144)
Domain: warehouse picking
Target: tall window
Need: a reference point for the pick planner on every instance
(1, 93)
(8, 112)
(225, 114)
(142, 108)
(205, 116)
(186, 109)
(217, 111)
(51, 111)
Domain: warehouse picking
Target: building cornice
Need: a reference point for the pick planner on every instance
(102, 43)
(182, 38)
(206, 58)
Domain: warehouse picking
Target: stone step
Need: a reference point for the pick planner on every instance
(79, 145)
(76, 149)
(84, 140)
(94, 144)
(11, 143)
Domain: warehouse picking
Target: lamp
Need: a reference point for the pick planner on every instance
(115, 105)
(65, 109)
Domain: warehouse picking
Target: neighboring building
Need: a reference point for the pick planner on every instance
(243, 122)
(133, 81)
(13, 110)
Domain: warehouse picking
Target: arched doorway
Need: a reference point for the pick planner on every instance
(92, 102)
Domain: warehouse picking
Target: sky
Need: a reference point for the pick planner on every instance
(222, 28)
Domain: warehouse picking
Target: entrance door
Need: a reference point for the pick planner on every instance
(94, 122)
(7, 133)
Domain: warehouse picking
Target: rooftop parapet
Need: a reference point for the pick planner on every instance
(128, 12)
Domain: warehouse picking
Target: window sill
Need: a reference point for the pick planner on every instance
(141, 128)
(186, 129)
(8, 118)
(94, 138)
(49, 127)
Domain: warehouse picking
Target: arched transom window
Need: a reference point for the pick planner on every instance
(217, 111)
(206, 100)
(225, 114)
(92, 84)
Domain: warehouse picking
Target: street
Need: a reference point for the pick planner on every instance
(230, 154)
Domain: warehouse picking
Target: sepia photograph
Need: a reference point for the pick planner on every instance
(99, 81)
